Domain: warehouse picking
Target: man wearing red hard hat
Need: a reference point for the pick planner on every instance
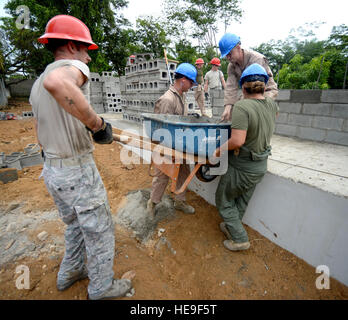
(214, 79)
(199, 96)
(66, 126)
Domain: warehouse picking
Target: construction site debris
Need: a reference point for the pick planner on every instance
(42, 235)
(19, 160)
(8, 175)
(134, 215)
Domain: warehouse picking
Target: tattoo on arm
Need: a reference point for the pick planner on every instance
(70, 101)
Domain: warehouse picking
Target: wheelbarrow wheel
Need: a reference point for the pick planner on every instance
(203, 174)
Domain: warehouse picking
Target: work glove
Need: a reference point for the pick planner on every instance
(104, 134)
(206, 94)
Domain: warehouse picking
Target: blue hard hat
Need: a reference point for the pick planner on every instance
(227, 43)
(254, 72)
(187, 70)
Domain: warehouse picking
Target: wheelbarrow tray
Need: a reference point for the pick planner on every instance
(199, 136)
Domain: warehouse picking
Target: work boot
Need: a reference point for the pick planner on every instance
(73, 277)
(236, 246)
(151, 208)
(119, 288)
(184, 207)
(224, 229)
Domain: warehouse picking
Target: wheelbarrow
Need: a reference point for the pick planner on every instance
(181, 139)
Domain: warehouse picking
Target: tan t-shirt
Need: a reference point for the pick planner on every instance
(214, 79)
(171, 102)
(234, 72)
(60, 134)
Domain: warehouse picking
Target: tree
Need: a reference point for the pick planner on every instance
(299, 75)
(150, 36)
(185, 52)
(199, 18)
(302, 43)
(339, 39)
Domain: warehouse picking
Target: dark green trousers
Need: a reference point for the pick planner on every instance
(234, 192)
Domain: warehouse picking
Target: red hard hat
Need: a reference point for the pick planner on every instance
(215, 61)
(199, 60)
(69, 28)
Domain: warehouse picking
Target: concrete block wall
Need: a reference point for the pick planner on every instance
(145, 80)
(105, 93)
(21, 89)
(318, 115)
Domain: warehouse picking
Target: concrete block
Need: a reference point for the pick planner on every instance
(8, 175)
(290, 107)
(282, 118)
(316, 108)
(344, 128)
(32, 148)
(310, 96)
(96, 100)
(31, 160)
(14, 163)
(311, 134)
(335, 96)
(337, 137)
(283, 95)
(217, 111)
(340, 110)
(327, 123)
(286, 130)
(217, 102)
(300, 119)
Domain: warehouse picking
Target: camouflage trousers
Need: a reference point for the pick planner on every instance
(83, 206)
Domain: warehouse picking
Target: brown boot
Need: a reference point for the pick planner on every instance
(236, 246)
(184, 207)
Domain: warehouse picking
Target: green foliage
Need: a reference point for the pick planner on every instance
(299, 60)
(150, 36)
(339, 39)
(299, 75)
(198, 18)
(186, 52)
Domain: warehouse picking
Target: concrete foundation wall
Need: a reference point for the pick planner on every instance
(306, 221)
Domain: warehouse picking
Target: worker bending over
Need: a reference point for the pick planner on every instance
(253, 123)
(172, 102)
(240, 59)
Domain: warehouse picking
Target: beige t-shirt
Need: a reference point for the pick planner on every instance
(214, 79)
(60, 134)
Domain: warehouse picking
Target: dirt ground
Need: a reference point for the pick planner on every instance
(201, 268)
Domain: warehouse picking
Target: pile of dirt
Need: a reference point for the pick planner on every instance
(179, 257)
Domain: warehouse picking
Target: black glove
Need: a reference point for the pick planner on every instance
(206, 95)
(104, 134)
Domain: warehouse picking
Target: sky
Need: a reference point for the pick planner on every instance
(262, 20)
